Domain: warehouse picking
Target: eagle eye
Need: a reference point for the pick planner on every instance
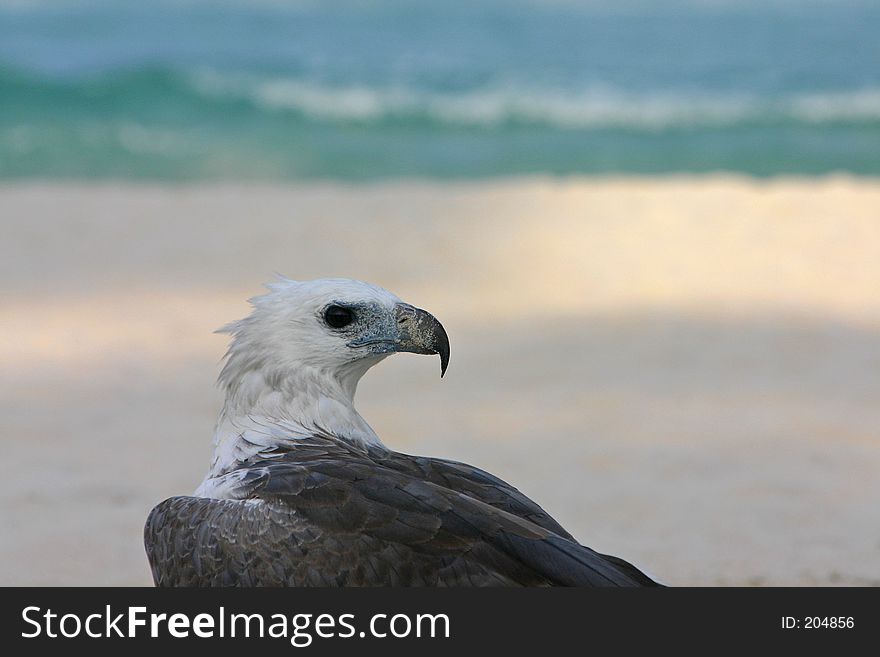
(338, 316)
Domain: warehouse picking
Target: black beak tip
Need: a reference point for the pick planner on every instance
(443, 349)
(421, 333)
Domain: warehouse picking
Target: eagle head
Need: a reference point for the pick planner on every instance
(340, 327)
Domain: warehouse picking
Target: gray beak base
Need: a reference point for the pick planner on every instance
(421, 333)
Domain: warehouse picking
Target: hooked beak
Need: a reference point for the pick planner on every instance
(421, 333)
(412, 330)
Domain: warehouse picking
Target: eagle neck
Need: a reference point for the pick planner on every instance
(266, 410)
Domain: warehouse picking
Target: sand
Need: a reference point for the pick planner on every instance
(685, 371)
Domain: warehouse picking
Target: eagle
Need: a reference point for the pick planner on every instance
(302, 492)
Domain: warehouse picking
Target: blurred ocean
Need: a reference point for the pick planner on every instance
(189, 89)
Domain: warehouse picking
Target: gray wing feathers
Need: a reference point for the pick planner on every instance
(482, 486)
(337, 518)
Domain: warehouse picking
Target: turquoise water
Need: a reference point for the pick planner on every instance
(271, 90)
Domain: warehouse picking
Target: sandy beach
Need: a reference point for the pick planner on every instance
(684, 371)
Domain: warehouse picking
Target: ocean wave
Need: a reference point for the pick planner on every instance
(592, 108)
(490, 106)
(201, 125)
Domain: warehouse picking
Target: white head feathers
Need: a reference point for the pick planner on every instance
(284, 335)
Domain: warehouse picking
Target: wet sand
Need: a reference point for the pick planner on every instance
(684, 371)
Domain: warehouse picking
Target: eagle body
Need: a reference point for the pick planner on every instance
(302, 493)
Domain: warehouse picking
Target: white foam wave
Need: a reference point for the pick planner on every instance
(596, 107)
(862, 105)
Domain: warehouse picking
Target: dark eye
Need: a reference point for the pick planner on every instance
(337, 316)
